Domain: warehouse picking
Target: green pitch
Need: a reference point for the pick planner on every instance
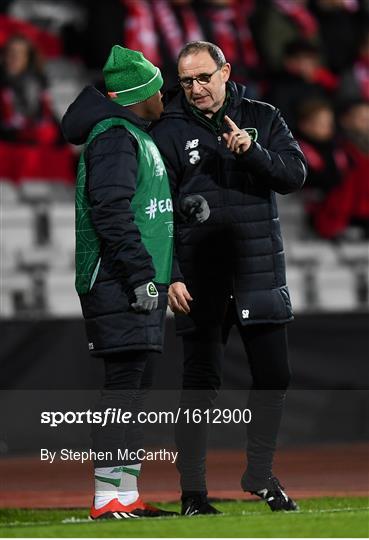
(326, 517)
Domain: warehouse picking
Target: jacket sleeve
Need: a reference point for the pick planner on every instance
(282, 165)
(112, 176)
(176, 271)
(172, 165)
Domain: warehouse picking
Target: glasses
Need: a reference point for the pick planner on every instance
(202, 79)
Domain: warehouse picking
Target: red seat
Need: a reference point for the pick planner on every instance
(27, 162)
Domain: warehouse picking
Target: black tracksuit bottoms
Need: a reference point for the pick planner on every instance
(266, 349)
(128, 378)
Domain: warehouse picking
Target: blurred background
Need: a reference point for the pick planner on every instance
(310, 59)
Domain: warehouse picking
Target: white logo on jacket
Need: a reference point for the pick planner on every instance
(159, 165)
(194, 157)
(192, 144)
(245, 313)
(164, 205)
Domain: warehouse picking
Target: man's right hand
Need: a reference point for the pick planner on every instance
(195, 208)
(178, 298)
(147, 298)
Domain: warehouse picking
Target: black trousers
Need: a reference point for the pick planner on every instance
(128, 377)
(266, 349)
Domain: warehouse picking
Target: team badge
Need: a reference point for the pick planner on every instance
(253, 132)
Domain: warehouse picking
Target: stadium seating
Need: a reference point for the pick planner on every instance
(61, 219)
(15, 292)
(336, 288)
(18, 227)
(37, 256)
(62, 300)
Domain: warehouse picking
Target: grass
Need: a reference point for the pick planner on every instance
(325, 517)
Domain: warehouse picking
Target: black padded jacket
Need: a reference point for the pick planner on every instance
(238, 251)
(111, 160)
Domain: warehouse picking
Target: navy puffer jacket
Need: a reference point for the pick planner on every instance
(238, 251)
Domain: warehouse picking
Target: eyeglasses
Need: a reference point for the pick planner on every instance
(203, 78)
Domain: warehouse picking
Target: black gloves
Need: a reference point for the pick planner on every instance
(195, 208)
(146, 298)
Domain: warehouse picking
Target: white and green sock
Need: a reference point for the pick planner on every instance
(128, 490)
(107, 482)
(118, 482)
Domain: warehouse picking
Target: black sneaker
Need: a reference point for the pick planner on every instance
(194, 506)
(276, 498)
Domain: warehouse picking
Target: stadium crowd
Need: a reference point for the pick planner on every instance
(309, 58)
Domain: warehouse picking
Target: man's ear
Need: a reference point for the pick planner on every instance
(226, 72)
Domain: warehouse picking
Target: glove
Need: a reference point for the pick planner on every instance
(195, 208)
(146, 298)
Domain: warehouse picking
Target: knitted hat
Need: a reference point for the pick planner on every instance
(129, 77)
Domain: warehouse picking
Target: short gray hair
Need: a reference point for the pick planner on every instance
(194, 47)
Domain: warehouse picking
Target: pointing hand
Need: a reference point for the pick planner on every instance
(238, 140)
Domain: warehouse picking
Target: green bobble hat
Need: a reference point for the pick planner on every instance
(129, 77)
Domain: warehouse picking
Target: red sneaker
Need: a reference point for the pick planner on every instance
(115, 510)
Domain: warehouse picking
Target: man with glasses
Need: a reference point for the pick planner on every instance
(235, 153)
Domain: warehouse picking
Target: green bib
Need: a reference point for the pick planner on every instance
(151, 205)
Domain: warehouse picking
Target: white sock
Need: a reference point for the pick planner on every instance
(107, 482)
(128, 490)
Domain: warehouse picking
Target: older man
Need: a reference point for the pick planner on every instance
(236, 153)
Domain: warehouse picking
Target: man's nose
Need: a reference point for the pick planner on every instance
(196, 87)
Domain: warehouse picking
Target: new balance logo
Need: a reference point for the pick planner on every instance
(164, 205)
(192, 144)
